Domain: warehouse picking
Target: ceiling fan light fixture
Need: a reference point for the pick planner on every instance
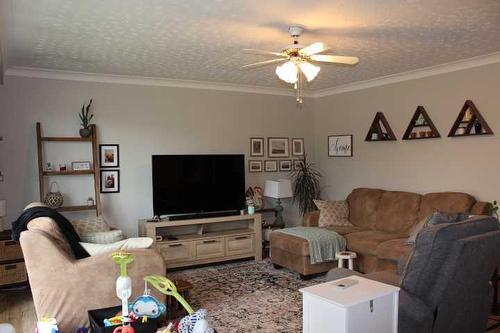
(288, 72)
(309, 70)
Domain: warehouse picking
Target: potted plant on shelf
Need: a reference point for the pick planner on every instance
(85, 119)
(306, 180)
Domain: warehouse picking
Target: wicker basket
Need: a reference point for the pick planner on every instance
(10, 250)
(12, 273)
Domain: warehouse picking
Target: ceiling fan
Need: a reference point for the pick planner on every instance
(298, 61)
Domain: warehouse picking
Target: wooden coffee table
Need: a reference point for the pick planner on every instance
(174, 309)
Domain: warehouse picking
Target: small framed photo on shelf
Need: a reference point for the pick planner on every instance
(285, 165)
(340, 146)
(297, 164)
(109, 156)
(80, 166)
(110, 181)
(270, 166)
(254, 166)
(297, 147)
(277, 147)
(257, 147)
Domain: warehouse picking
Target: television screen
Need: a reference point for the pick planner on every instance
(194, 184)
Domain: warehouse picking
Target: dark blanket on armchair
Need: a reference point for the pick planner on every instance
(21, 224)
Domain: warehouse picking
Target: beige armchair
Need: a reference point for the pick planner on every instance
(66, 288)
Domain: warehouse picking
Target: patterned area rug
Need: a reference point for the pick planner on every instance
(248, 296)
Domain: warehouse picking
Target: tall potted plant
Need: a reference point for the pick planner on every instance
(306, 180)
(85, 119)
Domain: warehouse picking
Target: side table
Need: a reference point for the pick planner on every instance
(368, 306)
(12, 268)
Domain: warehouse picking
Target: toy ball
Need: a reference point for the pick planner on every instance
(124, 329)
(147, 305)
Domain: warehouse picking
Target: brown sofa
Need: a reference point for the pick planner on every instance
(382, 221)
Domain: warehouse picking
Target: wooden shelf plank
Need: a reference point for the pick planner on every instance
(76, 208)
(66, 139)
(68, 173)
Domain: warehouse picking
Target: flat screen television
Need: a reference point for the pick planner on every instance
(194, 185)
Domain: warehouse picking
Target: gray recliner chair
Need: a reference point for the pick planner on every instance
(445, 283)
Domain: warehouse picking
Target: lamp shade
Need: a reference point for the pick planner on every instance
(278, 189)
(3, 209)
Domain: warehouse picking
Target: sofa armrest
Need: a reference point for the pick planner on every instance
(480, 208)
(414, 315)
(311, 219)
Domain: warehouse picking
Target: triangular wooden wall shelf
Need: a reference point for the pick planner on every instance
(421, 129)
(470, 122)
(380, 127)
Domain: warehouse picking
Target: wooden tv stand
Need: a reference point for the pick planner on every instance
(201, 241)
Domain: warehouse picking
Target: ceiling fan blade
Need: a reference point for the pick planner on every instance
(314, 48)
(335, 59)
(262, 52)
(262, 63)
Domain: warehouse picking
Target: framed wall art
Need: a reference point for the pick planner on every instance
(257, 147)
(110, 181)
(109, 156)
(340, 145)
(277, 147)
(270, 166)
(297, 147)
(254, 166)
(285, 165)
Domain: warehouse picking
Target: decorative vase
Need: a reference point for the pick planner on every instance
(86, 132)
(478, 127)
(54, 198)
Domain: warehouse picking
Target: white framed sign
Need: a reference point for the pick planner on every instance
(340, 145)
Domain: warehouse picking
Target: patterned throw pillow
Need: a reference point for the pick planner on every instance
(333, 213)
(84, 227)
(103, 237)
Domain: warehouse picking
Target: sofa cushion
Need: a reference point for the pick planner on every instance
(344, 230)
(394, 249)
(333, 213)
(366, 242)
(363, 204)
(447, 202)
(397, 211)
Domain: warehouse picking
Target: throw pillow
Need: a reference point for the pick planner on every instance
(126, 244)
(333, 213)
(435, 219)
(89, 226)
(103, 237)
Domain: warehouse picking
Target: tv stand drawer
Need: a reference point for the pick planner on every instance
(177, 251)
(239, 244)
(209, 248)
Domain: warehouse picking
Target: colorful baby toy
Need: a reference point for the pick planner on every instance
(146, 305)
(195, 322)
(123, 282)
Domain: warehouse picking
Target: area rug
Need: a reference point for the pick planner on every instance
(248, 296)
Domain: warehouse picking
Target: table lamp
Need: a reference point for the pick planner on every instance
(278, 189)
(3, 212)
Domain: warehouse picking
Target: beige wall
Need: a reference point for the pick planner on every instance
(144, 121)
(447, 164)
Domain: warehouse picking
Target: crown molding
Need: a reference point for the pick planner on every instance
(164, 82)
(410, 75)
(143, 81)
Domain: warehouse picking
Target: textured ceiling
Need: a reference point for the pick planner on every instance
(201, 40)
